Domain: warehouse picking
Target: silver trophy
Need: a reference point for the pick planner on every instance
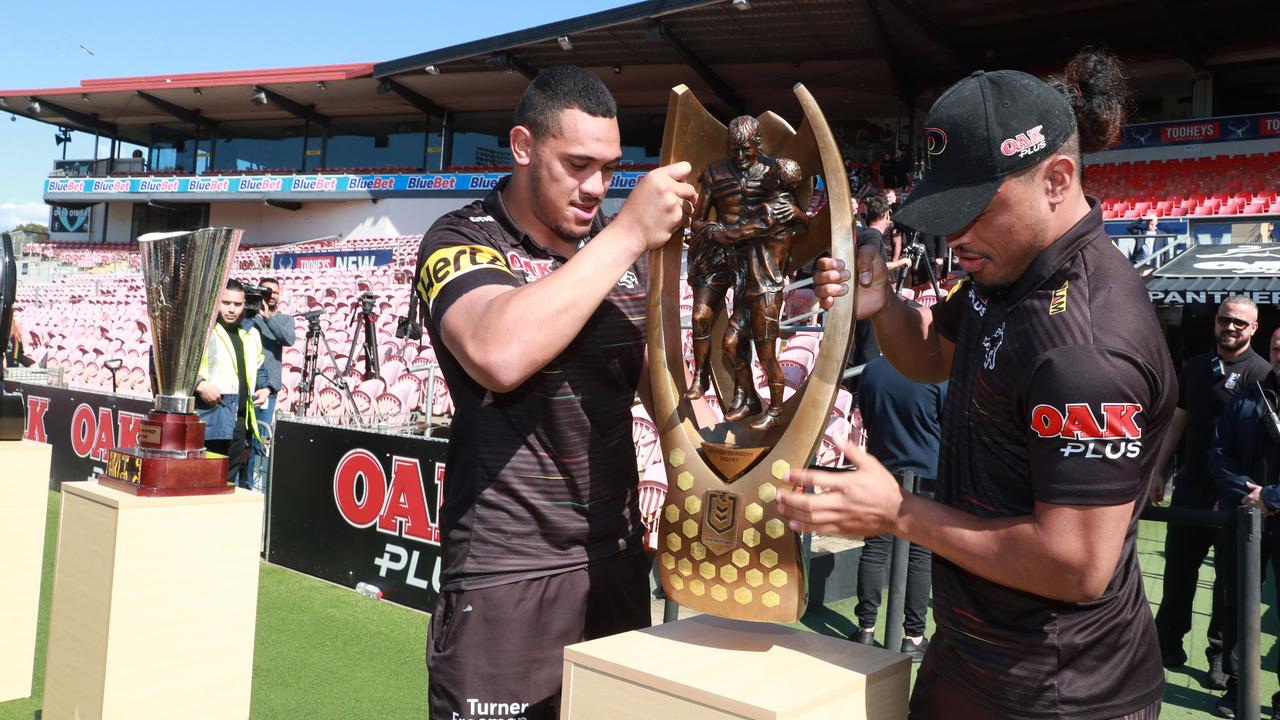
(185, 273)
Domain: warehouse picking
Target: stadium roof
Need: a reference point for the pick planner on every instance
(858, 57)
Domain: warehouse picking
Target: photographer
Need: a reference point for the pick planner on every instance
(277, 331)
(223, 395)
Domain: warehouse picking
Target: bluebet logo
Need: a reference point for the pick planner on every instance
(371, 183)
(261, 184)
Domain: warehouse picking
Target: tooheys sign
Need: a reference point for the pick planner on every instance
(80, 425)
(351, 506)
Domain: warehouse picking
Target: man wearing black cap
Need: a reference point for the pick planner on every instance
(1060, 391)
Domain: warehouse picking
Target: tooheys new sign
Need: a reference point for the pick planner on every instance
(351, 505)
(80, 425)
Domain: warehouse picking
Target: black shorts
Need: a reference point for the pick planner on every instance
(498, 652)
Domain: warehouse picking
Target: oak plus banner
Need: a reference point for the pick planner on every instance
(81, 425)
(350, 505)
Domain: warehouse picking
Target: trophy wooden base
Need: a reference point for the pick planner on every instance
(707, 667)
(24, 500)
(154, 606)
(147, 469)
(132, 471)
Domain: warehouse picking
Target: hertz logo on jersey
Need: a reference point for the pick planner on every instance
(1058, 302)
(446, 264)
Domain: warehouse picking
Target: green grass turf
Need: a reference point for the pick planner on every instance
(321, 651)
(325, 652)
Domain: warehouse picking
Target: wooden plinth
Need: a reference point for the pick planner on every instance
(24, 500)
(154, 605)
(708, 667)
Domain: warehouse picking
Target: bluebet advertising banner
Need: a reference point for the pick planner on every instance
(355, 259)
(356, 184)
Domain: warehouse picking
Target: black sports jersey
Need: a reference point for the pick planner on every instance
(1206, 385)
(541, 479)
(1060, 392)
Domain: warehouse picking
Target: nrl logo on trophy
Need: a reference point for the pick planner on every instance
(184, 273)
(723, 549)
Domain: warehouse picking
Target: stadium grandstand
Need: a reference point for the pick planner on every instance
(368, 155)
(335, 171)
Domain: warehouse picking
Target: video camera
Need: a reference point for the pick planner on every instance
(254, 296)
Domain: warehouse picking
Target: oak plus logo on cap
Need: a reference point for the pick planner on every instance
(1024, 143)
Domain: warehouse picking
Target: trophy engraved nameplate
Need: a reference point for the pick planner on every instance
(722, 547)
(184, 274)
(12, 417)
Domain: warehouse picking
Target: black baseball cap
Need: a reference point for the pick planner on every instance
(982, 129)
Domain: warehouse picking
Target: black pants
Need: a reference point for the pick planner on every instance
(498, 652)
(1227, 574)
(234, 449)
(872, 576)
(1185, 548)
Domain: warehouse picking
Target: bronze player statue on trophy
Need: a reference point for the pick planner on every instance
(745, 247)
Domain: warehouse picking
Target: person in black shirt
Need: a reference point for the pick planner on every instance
(1244, 462)
(537, 311)
(1207, 384)
(902, 421)
(1061, 390)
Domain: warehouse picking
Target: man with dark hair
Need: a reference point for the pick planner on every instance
(278, 332)
(231, 366)
(1061, 390)
(1208, 382)
(1244, 461)
(879, 217)
(537, 312)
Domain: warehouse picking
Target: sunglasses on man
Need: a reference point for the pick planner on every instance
(1235, 323)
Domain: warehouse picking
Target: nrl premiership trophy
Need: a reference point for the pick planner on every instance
(184, 273)
(723, 548)
(12, 418)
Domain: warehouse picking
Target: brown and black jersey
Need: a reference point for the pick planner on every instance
(542, 479)
(1060, 391)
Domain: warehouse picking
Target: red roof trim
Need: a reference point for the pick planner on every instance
(314, 73)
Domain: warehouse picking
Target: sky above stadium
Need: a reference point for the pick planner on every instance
(59, 44)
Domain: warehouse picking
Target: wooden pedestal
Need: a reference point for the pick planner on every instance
(708, 667)
(154, 605)
(24, 501)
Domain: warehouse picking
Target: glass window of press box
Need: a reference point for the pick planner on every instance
(482, 138)
(402, 142)
(406, 142)
(259, 146)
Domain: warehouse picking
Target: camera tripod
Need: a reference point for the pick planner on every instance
(916, 252)
(311, 367)
(362, 319)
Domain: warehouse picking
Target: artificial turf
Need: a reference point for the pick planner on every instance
(323, 651)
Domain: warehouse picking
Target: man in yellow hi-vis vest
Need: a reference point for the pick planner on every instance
(231, 382)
